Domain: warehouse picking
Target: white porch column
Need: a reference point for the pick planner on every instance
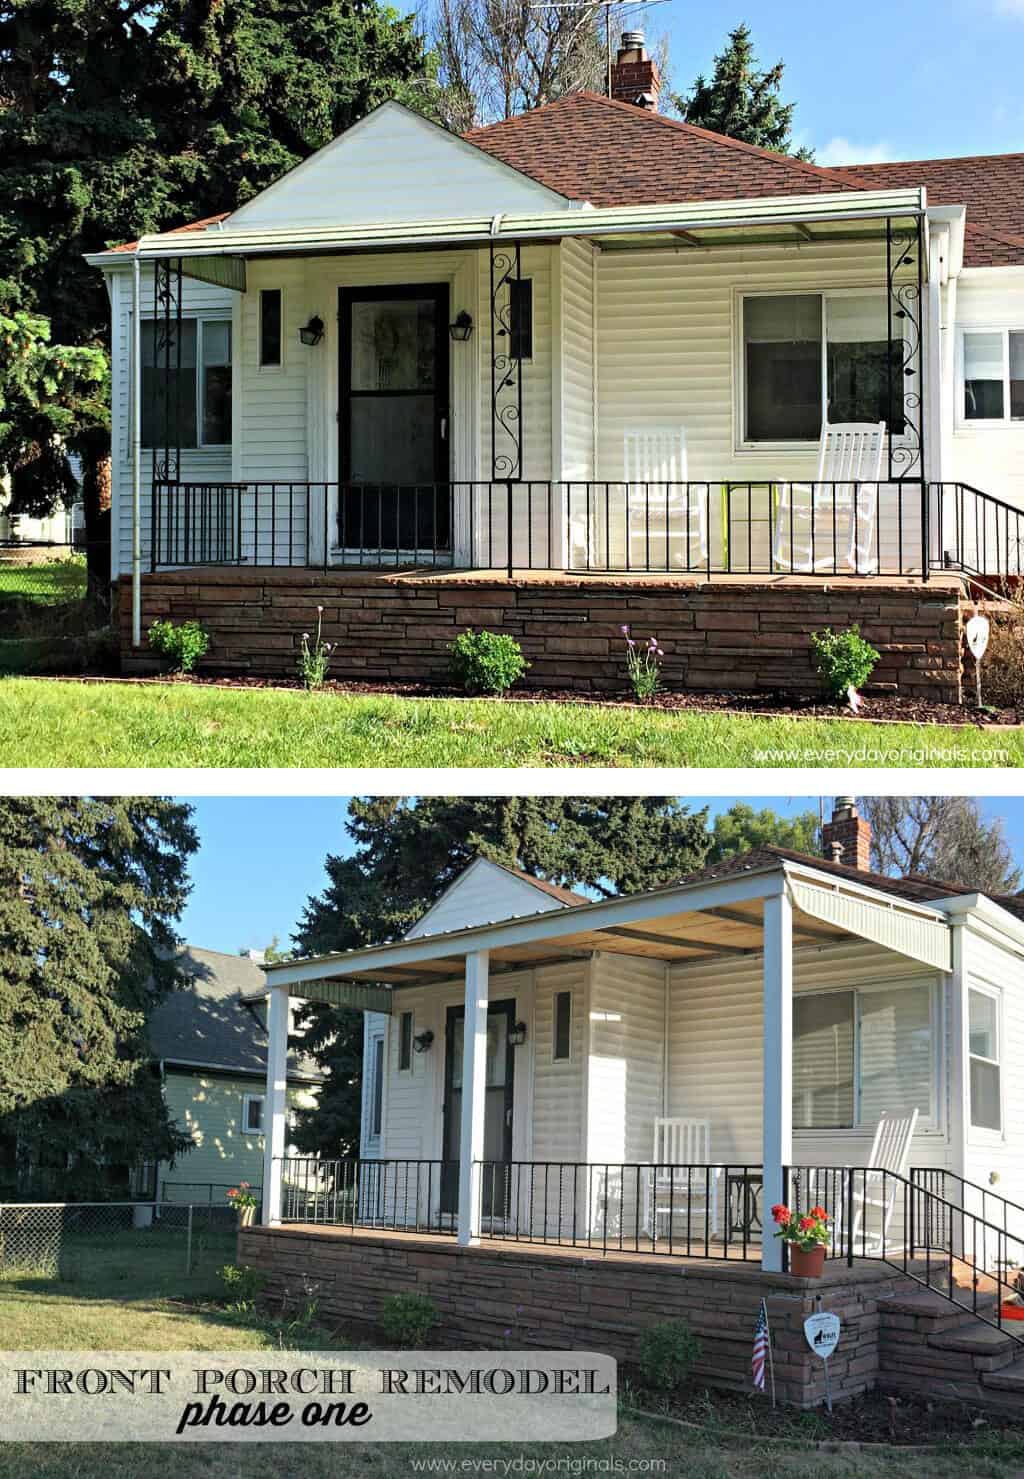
(274, 1108)
(474, 1096)
(777, 1109)
(136, 436)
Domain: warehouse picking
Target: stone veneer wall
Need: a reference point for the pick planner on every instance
(396, 627)
(491, 1298)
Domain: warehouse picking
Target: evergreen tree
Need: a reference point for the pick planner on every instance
(742, 101)
(119, 117)
(89, 892)
(407, 852)
(741, 828)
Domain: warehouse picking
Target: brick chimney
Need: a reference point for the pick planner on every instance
(847, 834)
(635, 77)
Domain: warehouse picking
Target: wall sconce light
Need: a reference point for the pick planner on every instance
(423, 1041)
(461, 329)
(313, 332)
(517, 1035)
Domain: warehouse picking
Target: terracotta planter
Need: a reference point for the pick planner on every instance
(246, 1216)
(807, 1263)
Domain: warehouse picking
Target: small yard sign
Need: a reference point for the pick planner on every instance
(822, 1332)
(977, 631)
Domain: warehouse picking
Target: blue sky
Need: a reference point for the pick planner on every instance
(262, 856)
(921, 79)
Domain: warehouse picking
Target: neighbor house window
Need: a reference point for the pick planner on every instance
(377, 1087)
(993, 363)
(811, 357)
(198, 391)
(252, 1114)
(858, 1054)
(563, 1026)
(521, 317)
(983, 1043)
(270, 327)
(405, 1041)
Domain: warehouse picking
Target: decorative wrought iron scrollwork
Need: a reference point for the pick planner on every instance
(506, 370)
(167, 365)
(904, 248)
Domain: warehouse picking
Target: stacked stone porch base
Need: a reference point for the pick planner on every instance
(734, 633)
(502, 1295)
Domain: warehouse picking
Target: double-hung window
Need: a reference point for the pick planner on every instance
(812, 357)
(860, 1053)
(197, 384)
(993, 376)
(252, 1114)
(984, 1053)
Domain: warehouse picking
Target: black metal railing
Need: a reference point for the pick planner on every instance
(904, 1223)
(991, 1206)
(711, 528)
(687, 1211)
(394, 1195)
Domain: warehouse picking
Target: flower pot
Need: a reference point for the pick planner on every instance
(246, 1216)
(807, 1263)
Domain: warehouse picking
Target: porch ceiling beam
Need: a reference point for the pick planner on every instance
(689, 238)
(805, 231)
(682, 942)
(637, 909)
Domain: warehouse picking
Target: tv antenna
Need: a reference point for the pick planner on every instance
(625, 12)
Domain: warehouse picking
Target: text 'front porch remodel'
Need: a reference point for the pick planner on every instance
(579, 358)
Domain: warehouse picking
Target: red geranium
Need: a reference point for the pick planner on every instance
(781, 1213)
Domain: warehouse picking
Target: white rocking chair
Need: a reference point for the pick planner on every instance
(666, 519)
(890, 1152)
(830, 524)
(673, 1191)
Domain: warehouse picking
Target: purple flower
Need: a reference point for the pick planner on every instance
(624, 630)
(320, 608)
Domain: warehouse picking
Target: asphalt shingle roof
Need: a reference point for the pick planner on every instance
(211, 1023)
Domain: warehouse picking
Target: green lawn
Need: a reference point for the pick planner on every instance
(96, 1311)
(45, 584)
(46, 723)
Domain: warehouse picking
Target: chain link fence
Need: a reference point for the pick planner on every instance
(42, 574)
(108, 1245)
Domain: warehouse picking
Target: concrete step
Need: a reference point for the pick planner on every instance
(929, 1311)
(987, 1349)
(1009, 1379)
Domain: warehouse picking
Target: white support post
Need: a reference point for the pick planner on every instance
(136, 406)
(275, 1107)
(777, 1109)
(474, 1097)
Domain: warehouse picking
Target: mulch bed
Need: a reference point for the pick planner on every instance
(873, 1418)
(885, 708)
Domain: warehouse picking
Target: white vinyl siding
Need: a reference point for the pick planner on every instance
(627, 1030)
(558, 1085)
(986, 454)
(577, 357)
(715, 1051)
(484, 892)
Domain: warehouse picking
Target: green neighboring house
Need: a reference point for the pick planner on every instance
(210, 1044)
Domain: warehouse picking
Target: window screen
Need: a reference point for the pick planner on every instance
(983, 1040)
(178, 385)
(270, 326)
(405, 1041)
(377, 1086)
(216, 339)
(857, 331)
(983, 377)
(563, 1025)
(896, 1052)
(782, 340)
(253, 1114)
(823, 1061)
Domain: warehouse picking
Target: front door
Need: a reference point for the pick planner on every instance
(393, 421)
(498, 1113)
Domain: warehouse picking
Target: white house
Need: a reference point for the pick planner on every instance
(587, 339)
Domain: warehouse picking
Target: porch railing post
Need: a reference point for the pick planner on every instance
(275, 1104)
(777, 1110)
(474, 1096)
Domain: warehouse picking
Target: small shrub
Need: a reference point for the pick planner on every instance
(486, 662)
(843, 659)
(314, 656)
(642, 665)
(408, 1319)
(667, 1352)
(1002, 667)
(184, 644)
(242, 1284)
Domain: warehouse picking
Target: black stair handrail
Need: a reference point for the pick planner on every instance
(924, 1174)
(924, 1215)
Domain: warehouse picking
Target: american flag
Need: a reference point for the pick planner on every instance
(760, 1356)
